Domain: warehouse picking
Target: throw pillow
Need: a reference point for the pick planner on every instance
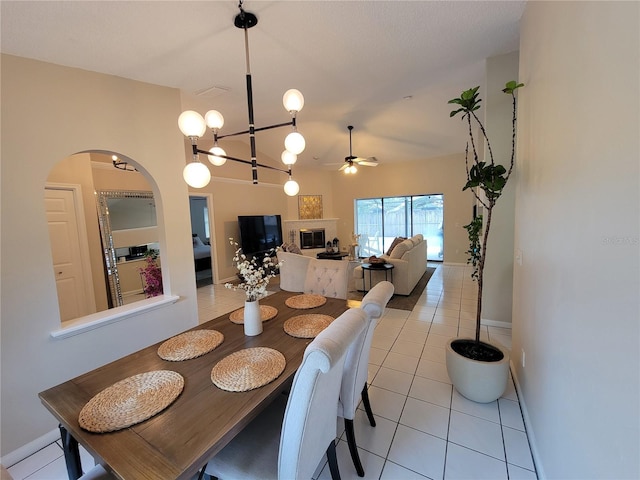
(293, 248)
(197, 242)
(395, 242)
(401, 249)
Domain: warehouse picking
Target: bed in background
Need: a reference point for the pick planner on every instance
(201, 254)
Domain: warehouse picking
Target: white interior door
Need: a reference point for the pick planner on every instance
(67, 239)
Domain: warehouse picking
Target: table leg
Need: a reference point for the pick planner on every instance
(71, 454)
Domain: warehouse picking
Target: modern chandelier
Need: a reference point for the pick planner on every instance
(194, 126)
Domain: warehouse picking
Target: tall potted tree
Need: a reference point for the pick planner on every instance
(479, 370)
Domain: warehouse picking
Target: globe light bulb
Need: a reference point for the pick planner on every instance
(291, 188)
(288, 158)
(214, 158)
(214, 119)
(191, 124)
(196, 175)
(293, 100)
(295, 143)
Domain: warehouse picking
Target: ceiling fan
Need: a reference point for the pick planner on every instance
(350, 162)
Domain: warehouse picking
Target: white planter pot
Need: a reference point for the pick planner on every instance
(481, 382)
(252, 319)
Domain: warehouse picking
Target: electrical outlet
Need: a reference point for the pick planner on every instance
(522, 357)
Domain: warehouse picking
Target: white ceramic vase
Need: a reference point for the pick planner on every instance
(481, 382)
(252, 318)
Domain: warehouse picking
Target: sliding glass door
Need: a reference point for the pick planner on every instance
(379, 220)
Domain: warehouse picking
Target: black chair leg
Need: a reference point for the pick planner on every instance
(353, 449)
(367, 405)
(333, 461)
(71, 454)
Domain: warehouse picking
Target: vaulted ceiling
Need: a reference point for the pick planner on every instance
(386, 67)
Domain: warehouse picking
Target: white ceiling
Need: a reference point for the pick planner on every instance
(354, 61)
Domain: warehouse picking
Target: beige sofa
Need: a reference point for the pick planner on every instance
(409, 259)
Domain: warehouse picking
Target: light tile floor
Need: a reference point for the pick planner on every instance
(425, 429)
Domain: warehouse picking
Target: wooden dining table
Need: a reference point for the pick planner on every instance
(178, 441)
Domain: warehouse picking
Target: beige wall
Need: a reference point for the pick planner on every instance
(444, 175)
(231, 199)
(576, 309)
(49, 113)
(497, 293)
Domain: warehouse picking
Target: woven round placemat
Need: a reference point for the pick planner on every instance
(248, 369)
(190, 345)
(131, 401)
(308, 325)
(306, 300)
(267, 312)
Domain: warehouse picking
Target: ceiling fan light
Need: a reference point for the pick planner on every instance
(214, 119)
(214, 158)
(291, 187)
(288, 158)
(191, 124)
(293, 100)
(196, 175)
(295, 143)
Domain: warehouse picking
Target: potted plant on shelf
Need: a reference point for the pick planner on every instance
(479, 370)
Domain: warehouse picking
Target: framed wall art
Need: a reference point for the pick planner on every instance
(309, 207)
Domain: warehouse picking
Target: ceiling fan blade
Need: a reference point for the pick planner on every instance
(368, 162)
(345, 165)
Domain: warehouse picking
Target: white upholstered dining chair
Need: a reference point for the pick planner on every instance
(354, 379)
(327, 278)
(288, 440)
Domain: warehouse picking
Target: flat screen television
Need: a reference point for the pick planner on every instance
(259, 233)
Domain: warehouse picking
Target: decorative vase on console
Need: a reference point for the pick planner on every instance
(255, 274)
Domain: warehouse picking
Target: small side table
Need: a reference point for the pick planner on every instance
(370, 267)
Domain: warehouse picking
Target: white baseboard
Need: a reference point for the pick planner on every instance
(495, 323)
(528, 427)
(30, 448)
(455, 264)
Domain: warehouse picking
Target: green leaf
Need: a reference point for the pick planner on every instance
(468, 100)
(512, 86)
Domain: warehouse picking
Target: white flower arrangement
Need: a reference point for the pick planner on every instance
(255, 274)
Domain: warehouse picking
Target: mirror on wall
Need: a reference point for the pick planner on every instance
(128, 231)
(102, 225)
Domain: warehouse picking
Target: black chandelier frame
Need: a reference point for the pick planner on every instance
(246, 20)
